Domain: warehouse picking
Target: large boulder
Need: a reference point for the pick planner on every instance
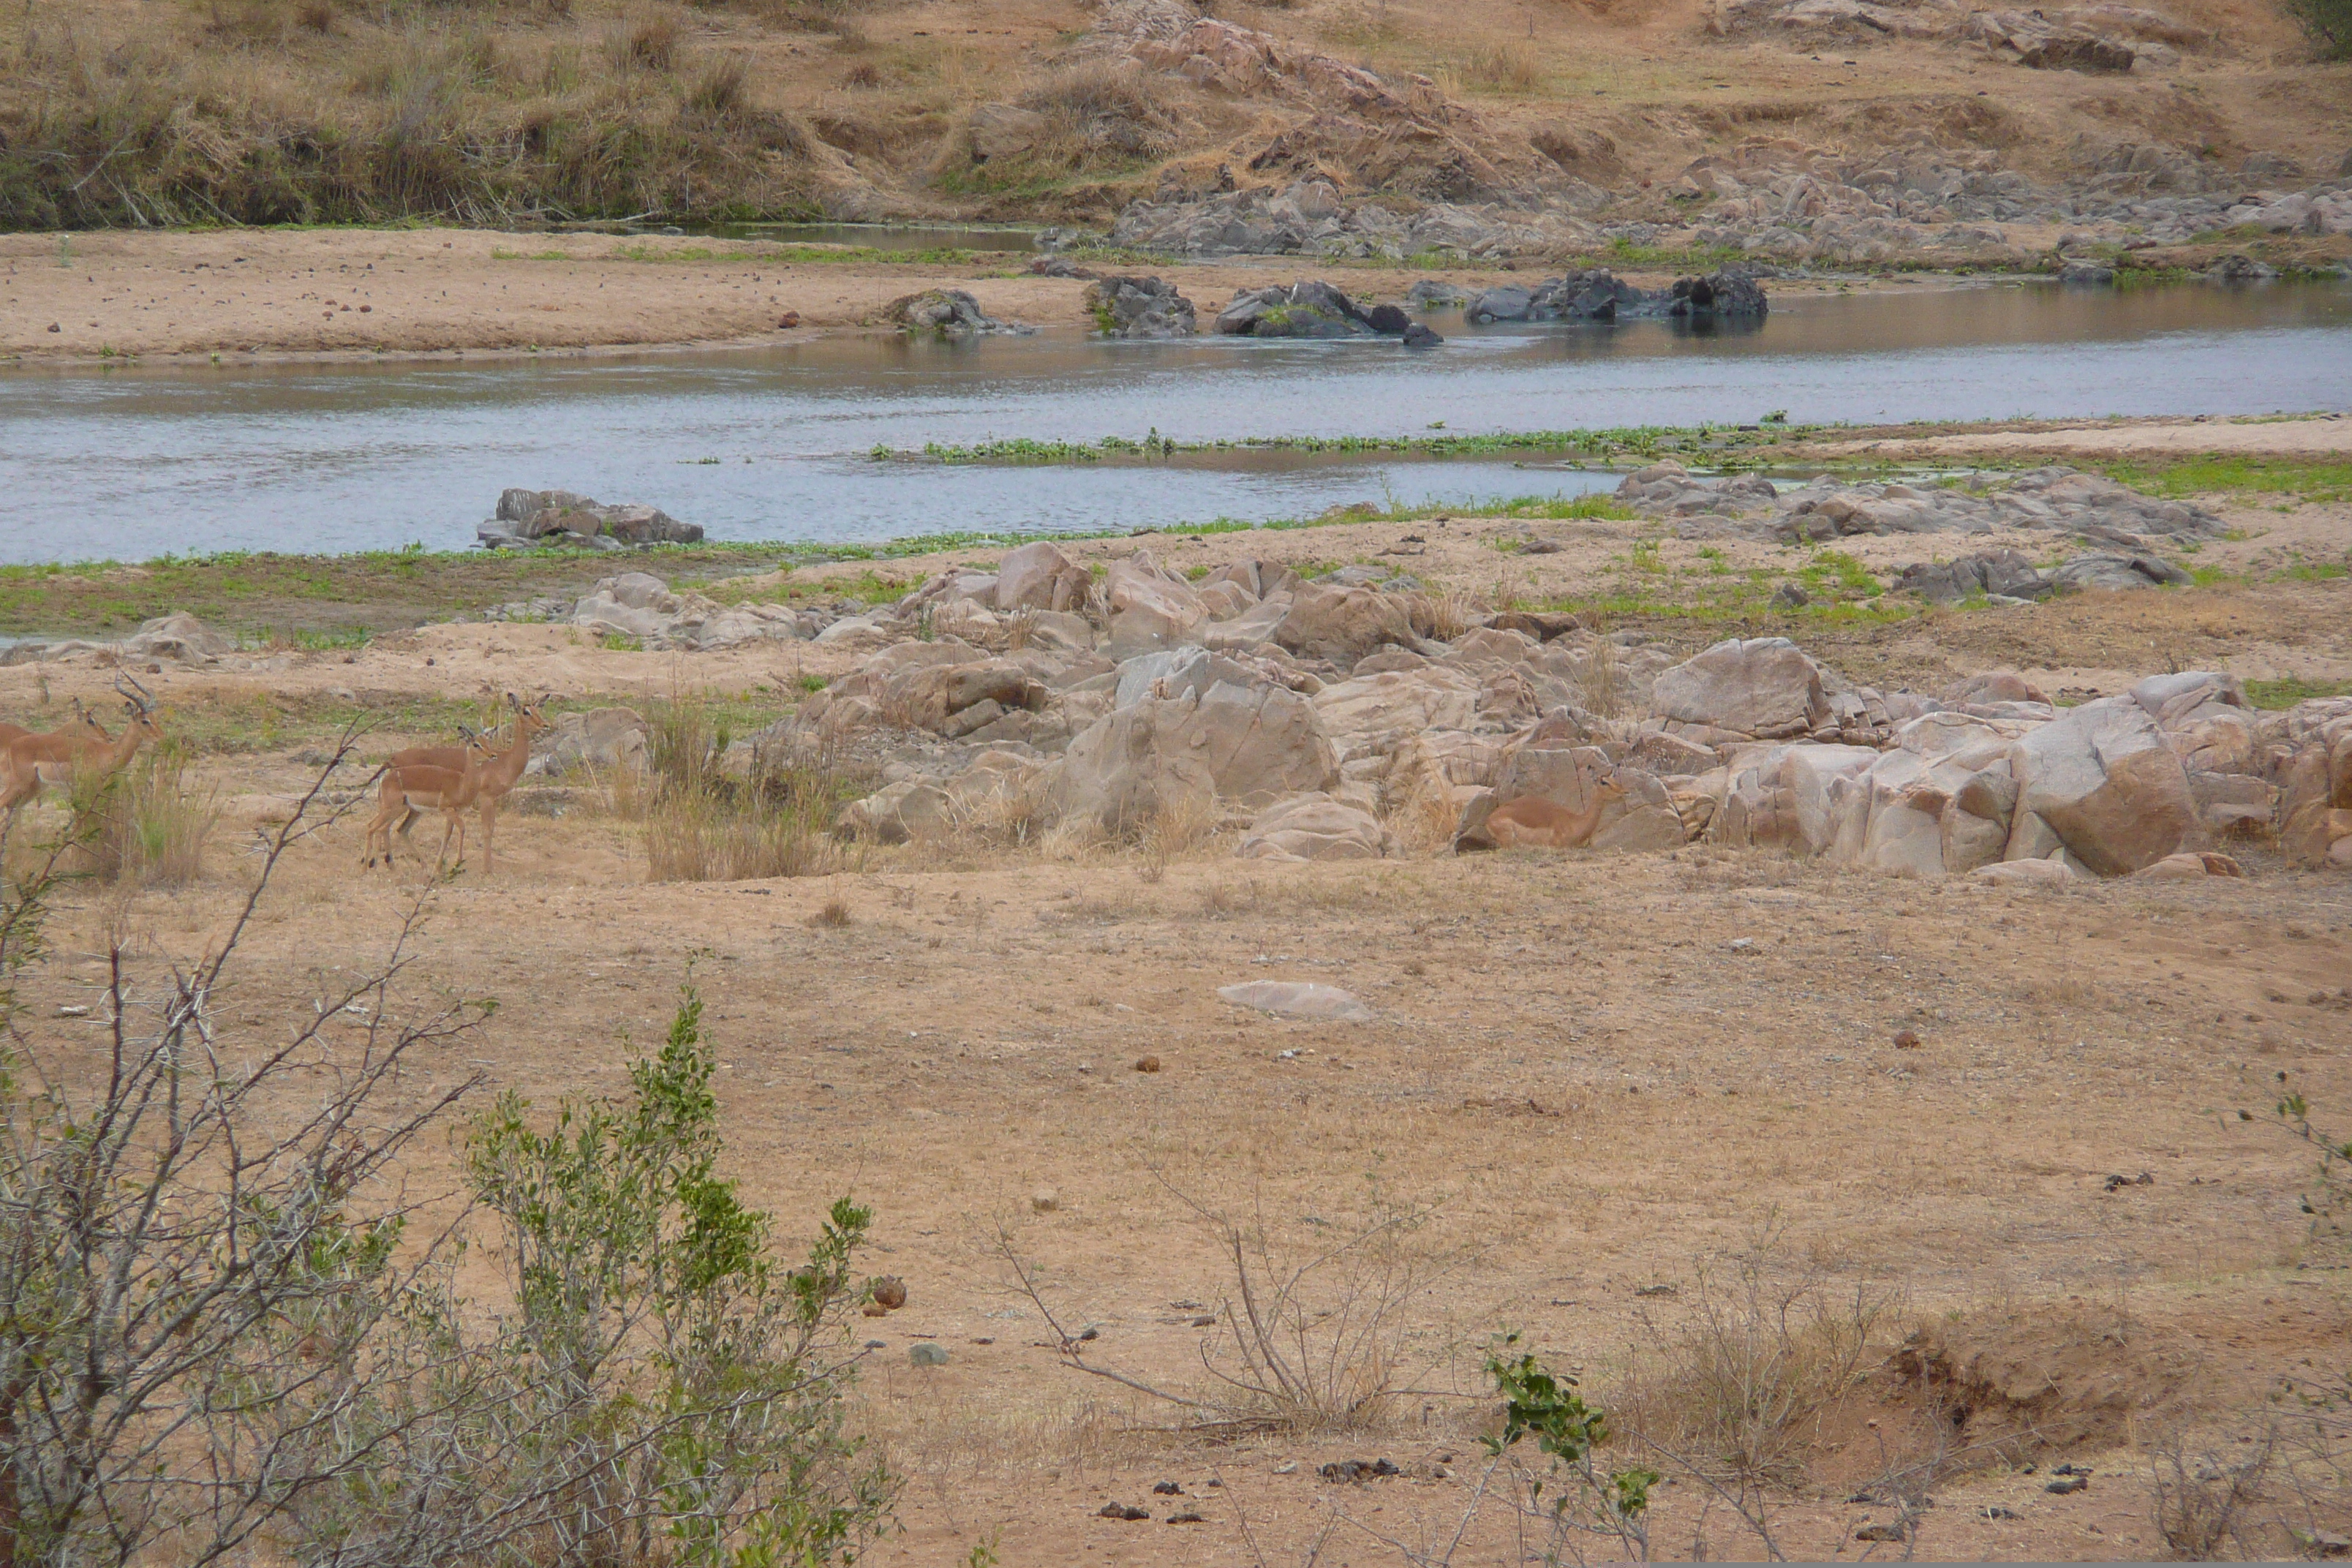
(1314, 827)
(1148, 607)
(1343, 624)
(1308, 309)
(1140, 308)
(1039, 577)
(2102, 779)
(562, 517)
(1763, 688)
(1380, 711)
(1161, 756)
(607, 740)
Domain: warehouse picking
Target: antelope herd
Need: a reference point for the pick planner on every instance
(475, 775)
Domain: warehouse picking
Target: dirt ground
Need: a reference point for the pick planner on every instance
(1606, 1079)
(332, 294)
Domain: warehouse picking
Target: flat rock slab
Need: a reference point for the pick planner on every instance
(1298, 999)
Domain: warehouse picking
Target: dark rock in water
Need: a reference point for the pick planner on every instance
(1730, 292)
(950, 312)
(2240, 270)
(2086, 275)
(1140, 308)
(1500, 305)
(561, 517)
(2002, 572)
(1417, 336)
(1389, 320)
(1308, 309)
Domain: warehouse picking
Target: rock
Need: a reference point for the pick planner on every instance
(178, 637)
(1003, 131)
(2054, 499)
(925, 1353)
(2031, 38)
(2103, 778)
(562, 517)
(1433, 294)
(889, 1292)
(1308, 309)
(2005, 571)
(1789, 596)
(2086, 275)
(1418, 336)
(1250, 745)
(1507, 303)
(1121, 1511)
(1140, 308)
(2240, 270)
(2114, 572)
(1342, 624)
(605, 739)
(1763, 689)
(1149, 609)
(2025, 873)
(1147, 1064)
(1039, 577)
(1297, 999)
(1727, 294)
(1046, 1200)
(1314, 826)
(1880, 1533)
(947, 312)
(2191, 865)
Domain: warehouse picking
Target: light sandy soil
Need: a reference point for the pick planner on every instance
(361, 293)
(1592, 1091)
(2326, 436)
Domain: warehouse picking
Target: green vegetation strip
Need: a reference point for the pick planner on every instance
(1638, 441)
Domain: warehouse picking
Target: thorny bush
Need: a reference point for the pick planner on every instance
(228, 1326)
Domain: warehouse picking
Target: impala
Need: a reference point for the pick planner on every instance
(479, 783)
(1532, 822)
(30, 763)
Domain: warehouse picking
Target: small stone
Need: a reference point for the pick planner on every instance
(1879, 1533)
(1789, 596)
(2065, 1484)
(1044, 1200)
(876, 1344)
(1168, 1489)
(1906, 1039)
(1287, 1467)
(1186, 1518)
(889, 1292)
(927, 1354)
(1147, 1063)
(1121, 1510)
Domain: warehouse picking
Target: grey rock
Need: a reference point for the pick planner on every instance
(1307, 308)
(2118, 571)
(1297, 999)
(1140, 308)
(926, 1353)
(2086, 275)
(1993, 572)
(949, 314)
(1418, 336)
(2240, 270)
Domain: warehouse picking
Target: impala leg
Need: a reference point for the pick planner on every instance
(490, 828)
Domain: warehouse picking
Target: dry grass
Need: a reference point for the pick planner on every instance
(147, 827)
(1512, 67)
(280, 113)
(705, 824)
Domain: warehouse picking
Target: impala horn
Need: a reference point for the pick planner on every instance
(139, 696)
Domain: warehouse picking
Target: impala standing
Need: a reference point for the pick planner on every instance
(30, 763)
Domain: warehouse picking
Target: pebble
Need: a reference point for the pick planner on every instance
(1121, 1511)
(1906, 1039)
(1044, 1200)
(927, 1354)
(1147, 1063)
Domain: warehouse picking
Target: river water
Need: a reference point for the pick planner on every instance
(773, 443)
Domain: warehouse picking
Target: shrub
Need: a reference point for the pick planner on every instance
(703, 823)
(147, 828)
(220, 1329)
(2329, 24)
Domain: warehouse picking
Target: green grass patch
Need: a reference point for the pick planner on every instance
(2291, 689)
(2305, 481)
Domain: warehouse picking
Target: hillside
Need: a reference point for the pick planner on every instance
(1524, 128)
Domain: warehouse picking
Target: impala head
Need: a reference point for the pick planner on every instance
(139, 703)
(528, 720)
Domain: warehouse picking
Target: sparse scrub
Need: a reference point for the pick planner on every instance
(1513, 66)
(224, 1330)
(2329, 23)
(1738, 1390)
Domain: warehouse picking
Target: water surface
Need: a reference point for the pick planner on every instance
(773, 443)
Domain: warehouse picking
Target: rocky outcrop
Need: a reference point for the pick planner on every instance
(1308, 309)
(1601, 295)
(2102, 782)
(1999, 574)
(641, 606)
(2050, 500)
(603, 740)
(947, 313)
(1038, 576)
(1178, 757)
(560, 517)
(177, 638)
(1140, 308)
